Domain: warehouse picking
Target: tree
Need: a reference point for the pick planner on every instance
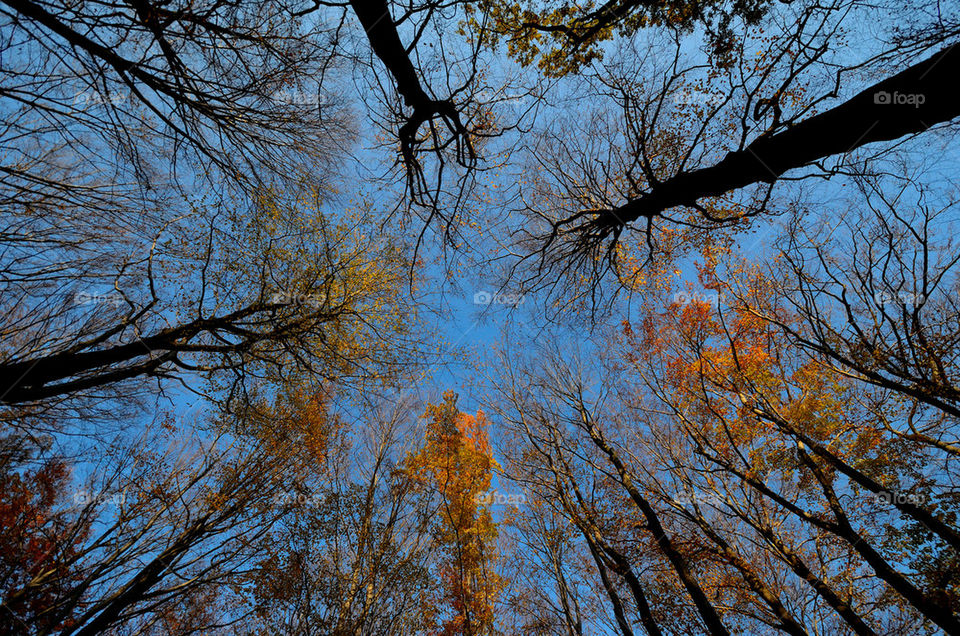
(668, 147)
(577, 32)
(770, 409)
(281, 286)
(351, 558)
(600, 496)
(456, 464)
(144, 143)
(877, 296)
(211, 295)
(863, 119)
(438, 114)
(716, 457)
(139, 75)
(36, 541)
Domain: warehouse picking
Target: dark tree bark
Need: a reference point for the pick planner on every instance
(706, 609)
(869, 117)
(82, 368)
(381, 30)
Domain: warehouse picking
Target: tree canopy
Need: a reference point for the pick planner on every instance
(479, 317)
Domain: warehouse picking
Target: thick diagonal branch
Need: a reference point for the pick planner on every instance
(66, 372)
(910, 102)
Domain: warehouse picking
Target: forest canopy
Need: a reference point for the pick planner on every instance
(479, 317)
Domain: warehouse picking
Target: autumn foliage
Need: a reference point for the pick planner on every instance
(38, 545)
(693, 264)
(457, 465)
